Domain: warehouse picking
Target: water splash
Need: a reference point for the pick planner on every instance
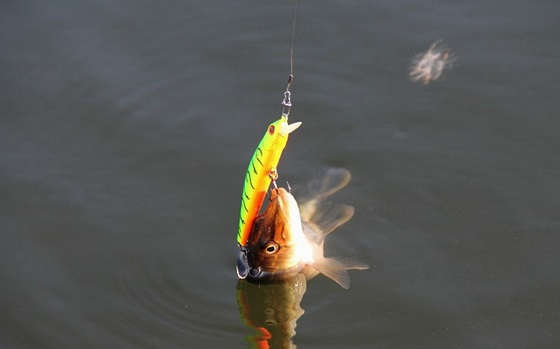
(430, 65)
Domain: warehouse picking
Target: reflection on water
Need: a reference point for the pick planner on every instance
(271, 310)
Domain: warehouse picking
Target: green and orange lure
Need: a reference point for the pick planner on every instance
(261, 171)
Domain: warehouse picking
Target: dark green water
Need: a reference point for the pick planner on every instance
(126, 128)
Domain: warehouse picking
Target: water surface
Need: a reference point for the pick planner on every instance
(126, 128)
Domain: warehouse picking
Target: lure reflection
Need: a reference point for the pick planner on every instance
(271, 311)
(430, 65)
(288, 239)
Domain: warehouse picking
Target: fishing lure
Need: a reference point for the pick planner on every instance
(261, 171)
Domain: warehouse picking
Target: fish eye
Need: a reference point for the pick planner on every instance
(271, 129)
(271, 247)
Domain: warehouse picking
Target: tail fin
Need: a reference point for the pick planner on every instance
(332, 181)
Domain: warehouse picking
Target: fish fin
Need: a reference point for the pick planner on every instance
(327, 219)
(334, 270)
(352, 264)
(332, 181)
(307, 210)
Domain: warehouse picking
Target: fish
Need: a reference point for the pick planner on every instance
(289, 238)
(260, 172)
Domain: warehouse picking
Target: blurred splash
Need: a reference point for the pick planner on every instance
(430, 65)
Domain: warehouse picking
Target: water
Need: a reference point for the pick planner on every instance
(126, 128)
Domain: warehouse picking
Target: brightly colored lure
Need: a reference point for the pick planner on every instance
(261, 171)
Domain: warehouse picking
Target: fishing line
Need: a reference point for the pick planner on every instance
(292, 42)
(287, 96)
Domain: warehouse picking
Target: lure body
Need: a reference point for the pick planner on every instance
(261, 171)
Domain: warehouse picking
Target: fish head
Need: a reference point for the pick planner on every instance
(275, 247)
